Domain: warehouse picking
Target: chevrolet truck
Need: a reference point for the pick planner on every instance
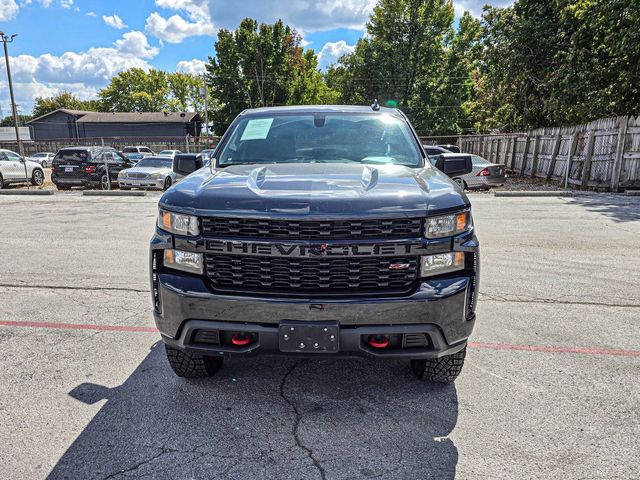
(317, 231)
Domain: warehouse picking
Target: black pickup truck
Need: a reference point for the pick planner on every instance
(316, 231)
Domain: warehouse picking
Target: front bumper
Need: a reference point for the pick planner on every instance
(441, 308)
(141, 183)
(475, 181)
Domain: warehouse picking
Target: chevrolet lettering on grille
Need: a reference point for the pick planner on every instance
(312, 250)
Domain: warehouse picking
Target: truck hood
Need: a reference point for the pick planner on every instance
(315, 189)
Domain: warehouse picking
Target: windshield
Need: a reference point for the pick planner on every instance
(130, 150)
(155, 162)
(322, 138)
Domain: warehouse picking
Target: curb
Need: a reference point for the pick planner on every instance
(26, 192)
(539, 193)
(112, 193)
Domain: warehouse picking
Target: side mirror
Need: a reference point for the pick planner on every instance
(454, 166)
(185, 164)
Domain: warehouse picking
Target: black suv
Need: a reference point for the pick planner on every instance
(316, 231)
(88, 167)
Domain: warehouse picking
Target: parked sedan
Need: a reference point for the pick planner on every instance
(150, 172)
(169, 153)
(43, 158)
(484, 174)
(12, 170)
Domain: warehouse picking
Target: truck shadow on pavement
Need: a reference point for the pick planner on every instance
(617, 207)
(273, 418)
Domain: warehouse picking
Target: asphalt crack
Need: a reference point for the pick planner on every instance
(506, 299)
(65, 287)
(296, 423)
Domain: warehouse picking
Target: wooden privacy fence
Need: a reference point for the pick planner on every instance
(603, 154)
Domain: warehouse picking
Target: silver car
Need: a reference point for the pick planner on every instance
(169, 153)
(150, 172)
(484, 175)
(43, 158)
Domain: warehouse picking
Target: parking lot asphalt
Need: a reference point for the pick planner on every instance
(549, 390)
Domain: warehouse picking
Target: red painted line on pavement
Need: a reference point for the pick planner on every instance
(548, 349)
(77, 326)
(487, 346)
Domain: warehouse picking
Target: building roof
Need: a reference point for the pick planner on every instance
(84, 116)
(75, 113)
(137, 117)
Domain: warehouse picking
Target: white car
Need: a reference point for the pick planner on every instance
(169, 153)
(150, 172)
(43, 158)
(12, 169)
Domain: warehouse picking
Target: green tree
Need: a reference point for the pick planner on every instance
(441, 102)
(402, 62)
(261, 65)
(8, 120)
(44, 105)
(185, 92)
(135, 90)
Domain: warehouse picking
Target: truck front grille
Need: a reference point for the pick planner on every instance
(312, 229)
(310, 276)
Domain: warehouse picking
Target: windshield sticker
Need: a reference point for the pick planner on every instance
(257, 129)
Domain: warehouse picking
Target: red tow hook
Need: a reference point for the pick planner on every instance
(379, 341)
(240, 339)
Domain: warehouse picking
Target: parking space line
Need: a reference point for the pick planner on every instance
(479, 345)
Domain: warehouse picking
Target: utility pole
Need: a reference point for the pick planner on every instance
(205, 93)
(5, 39)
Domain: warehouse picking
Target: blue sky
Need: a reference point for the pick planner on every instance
(77, 45)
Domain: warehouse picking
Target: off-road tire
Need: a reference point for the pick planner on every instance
(1, 182)
(439, 370)
(191, 365)
(167, 184)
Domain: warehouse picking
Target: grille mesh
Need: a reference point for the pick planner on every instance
(312, 230)
(309, 275)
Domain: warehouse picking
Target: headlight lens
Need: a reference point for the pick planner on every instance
(156, 176)
(447, 225)
(440, 263)
(186, 261)
(178, 223)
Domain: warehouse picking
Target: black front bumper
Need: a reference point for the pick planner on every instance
(442, 309)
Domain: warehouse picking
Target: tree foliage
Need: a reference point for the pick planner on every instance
(557, 62)
(260, 65)
(137, 90)
(44, 105)
(8, 120)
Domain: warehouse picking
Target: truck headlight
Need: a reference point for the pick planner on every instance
(447, 225)
(440, 263)
(178, 223)
(189, 262)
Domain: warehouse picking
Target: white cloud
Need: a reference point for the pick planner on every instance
(66, 3)
(475, 6)
(204, 17)
(8, 10)
(332, 51)
(194, 67)
(113, 21)
(91, 14)
(176, 29)
(82, 73)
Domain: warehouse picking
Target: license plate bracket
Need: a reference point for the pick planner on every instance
(307, 337)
